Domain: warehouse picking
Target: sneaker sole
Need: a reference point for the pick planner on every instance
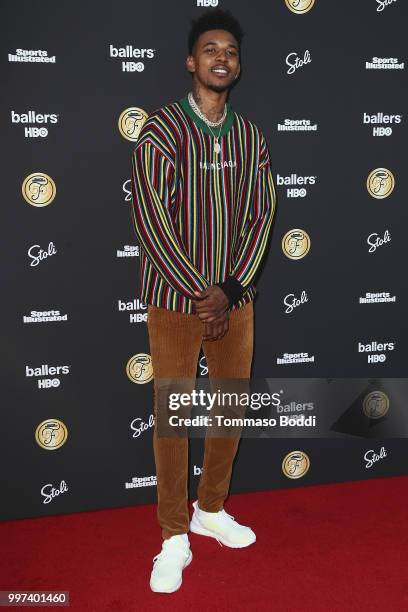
(178, 585)
(196, 528)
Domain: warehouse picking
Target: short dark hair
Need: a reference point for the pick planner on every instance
(214, 20)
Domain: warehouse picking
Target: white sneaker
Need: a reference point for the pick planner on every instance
(169, 564)
(221, 526)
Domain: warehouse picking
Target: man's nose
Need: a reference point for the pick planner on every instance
(222, 55)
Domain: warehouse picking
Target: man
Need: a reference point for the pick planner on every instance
(203, 203)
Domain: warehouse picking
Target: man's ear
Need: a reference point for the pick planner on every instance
(190, 63)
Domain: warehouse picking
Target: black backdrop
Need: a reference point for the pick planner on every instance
(84, 91)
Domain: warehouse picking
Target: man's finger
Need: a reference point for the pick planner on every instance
(204, 316)
(211, 315)
(225, 328)
(206, 302)
(201, 294)
(208, 319)
(200, 299)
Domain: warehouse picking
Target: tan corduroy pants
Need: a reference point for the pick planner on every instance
(175, 341)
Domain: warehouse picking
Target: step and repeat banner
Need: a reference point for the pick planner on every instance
(325, 80)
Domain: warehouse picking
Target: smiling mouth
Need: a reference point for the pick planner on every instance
(220, 71)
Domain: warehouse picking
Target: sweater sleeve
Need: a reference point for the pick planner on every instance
(152, 189)
(254, 235)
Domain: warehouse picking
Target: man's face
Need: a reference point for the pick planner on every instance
(215, 60)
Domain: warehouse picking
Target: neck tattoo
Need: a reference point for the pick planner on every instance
(211, 124)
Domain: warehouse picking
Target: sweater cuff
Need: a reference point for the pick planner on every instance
(232, 289)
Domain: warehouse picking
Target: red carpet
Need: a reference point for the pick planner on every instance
(335, 547)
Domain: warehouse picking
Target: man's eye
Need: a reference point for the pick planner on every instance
(210, 50)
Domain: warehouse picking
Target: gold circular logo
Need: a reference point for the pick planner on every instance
(376, 404)
(299, 6)
(51, 434)
(296, 243)
(139, 368)
(380, 183)
(131, 122)
(295, 464)
(38, 189)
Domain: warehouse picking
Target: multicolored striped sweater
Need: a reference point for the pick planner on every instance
(201, 218)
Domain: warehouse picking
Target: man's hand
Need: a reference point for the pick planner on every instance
(216, 329)
(211, 303)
